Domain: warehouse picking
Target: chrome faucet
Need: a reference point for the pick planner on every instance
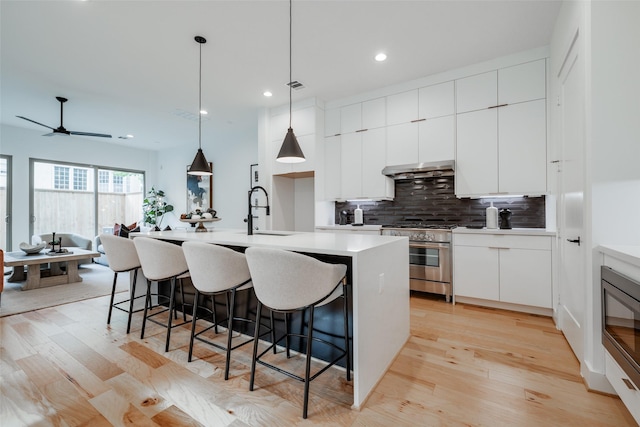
(249, 219)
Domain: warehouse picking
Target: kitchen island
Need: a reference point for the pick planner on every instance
(379, 277)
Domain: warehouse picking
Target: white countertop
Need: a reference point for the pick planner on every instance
(345, 244)
(513, 231)
(350, 227)
(629, 254)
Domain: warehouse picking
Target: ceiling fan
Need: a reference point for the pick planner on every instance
(61, 129)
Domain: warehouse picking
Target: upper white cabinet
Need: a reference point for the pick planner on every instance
(402, 107)
(436, 139)
(402, 143)
(363, 116)
(332, 168)
(332, 122)
(501, 145)
(436, 100)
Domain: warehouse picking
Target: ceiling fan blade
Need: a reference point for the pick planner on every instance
(33, 121)
(101, 135)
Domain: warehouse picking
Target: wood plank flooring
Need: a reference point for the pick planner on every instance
(463, 366)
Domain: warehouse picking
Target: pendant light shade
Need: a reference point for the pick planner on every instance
(200, 166)
(290, 152)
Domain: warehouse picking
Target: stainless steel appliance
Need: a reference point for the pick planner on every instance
(430, 267)
(621, 322)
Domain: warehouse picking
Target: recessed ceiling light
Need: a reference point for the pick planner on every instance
(381, 57)
(267, 93)
(204, 112)
(129, 136)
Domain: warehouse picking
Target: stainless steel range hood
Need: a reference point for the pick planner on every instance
(420, 170)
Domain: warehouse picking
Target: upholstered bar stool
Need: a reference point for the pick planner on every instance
(123, 258)
(287, 282)
(216, 270)
(162, 261)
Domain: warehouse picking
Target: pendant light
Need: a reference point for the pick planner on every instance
(290, 152)
(200, 166)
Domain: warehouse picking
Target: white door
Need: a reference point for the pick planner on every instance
(572, 284)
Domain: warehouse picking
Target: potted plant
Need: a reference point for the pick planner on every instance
(154, 207)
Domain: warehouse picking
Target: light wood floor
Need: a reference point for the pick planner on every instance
(463, 366)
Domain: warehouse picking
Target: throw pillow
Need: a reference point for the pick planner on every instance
(116, 228)
(123, 231)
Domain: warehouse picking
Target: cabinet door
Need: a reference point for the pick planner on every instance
(522, 148)
(523, 82)
(436, 139)
(402, 107)
(332, 168)
(374, 184)
(402, 144)
(477, 92)
(436, 101)
(374, 113)
(351, 165)
(525, 277)
(476, 272)
(332, 122)
(477, 153)
(351, 118)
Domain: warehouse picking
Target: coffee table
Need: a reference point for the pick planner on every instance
(54, 275)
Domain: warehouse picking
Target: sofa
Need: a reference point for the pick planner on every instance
(67, 240)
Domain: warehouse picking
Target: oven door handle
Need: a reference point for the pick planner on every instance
(430, 245)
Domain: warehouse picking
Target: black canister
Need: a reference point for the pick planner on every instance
(505, 219)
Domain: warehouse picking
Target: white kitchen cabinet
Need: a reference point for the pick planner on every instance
(436, 101)
(523, 82)
(514, 269)
(477, 92)
(351, 165)
(402, 107)
(402, 143)
(436, 139)
(522, 148)
(332, 122)
(332, 168)
(363, 115)
(362, 161)
(375, 185)
(476, 272)
(477, 153)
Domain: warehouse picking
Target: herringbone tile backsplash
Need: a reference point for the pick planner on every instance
(432, 201)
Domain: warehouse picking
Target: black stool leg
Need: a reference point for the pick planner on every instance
(229, 332)
(256, 335)
(193, 322)
(273, 331)
(171, 308)
(308, 364)
(346, 331)
(147, 305)
(132, 297)
(113, 292)
(184, 312)
(213, 313)
(286, 334)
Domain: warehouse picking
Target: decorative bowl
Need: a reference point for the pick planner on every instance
(32, 249)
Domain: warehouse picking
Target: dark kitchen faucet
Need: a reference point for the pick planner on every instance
(249, 219)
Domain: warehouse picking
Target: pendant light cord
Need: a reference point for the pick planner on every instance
(200, 101)
(290, 81)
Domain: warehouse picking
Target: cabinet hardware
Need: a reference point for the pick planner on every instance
(362, 130)
(418, 120)
(498, 106)
(497, 247)
(628, 383)
(574, 240)
(337, 134)
(554, 161)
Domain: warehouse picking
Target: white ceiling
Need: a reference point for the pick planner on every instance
(132, 66)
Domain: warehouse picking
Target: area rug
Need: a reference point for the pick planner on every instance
(96, 282)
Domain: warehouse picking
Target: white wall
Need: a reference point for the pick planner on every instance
(231, 169)
(24, 144)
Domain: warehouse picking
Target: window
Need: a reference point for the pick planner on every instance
(80, 179)
(117, 184)
(60, 178)
(103, 181)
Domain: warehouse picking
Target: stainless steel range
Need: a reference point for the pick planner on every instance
(430, 267)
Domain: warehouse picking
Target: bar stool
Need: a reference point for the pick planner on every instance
(216, 270)
(162, 261)
(287, 282)
(123, 258)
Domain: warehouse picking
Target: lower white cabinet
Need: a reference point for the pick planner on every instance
(507, 268)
